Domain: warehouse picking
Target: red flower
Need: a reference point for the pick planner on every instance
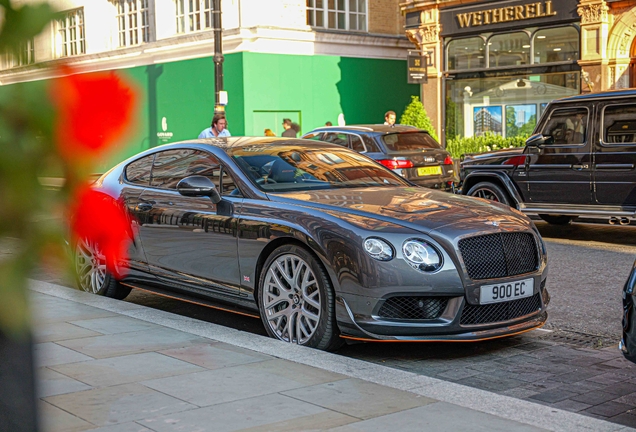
(94, 110)
(100, 219)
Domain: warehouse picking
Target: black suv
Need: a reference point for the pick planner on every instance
(410, 152)
(579, 162)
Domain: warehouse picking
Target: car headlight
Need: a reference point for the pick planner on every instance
(378, 249)
(421, 255)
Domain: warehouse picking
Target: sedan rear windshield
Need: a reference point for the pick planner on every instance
(409, 141)
(297, 168)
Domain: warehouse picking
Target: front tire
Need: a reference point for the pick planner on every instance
(556, 219)
(92, 275)
(296, 299)
(489, 191)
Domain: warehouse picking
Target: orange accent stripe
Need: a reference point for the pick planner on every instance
(442, 340)
(193, 302)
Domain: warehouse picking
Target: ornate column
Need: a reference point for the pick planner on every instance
(426, 38)
(594, 35)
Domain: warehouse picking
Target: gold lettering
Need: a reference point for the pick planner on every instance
(540, 12)
(510, 11)
(548, 9)
(487, 15)
(519, 13)
(464, 19)
(531, 10)
(496, 16)
(477, 18)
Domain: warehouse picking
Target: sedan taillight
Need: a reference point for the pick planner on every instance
(396, 163)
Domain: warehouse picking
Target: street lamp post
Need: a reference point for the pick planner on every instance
(218, 55)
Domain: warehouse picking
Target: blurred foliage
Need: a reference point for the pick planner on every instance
(26, 148)
(415, 115)
(488, 142)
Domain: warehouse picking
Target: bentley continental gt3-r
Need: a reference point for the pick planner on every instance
(322, 242)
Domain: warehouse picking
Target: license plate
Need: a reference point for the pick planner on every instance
(506, 291)
(426, 171)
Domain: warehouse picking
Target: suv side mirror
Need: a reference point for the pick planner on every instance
(196, 186)
(537, 140)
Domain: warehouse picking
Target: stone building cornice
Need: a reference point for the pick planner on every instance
(593, 12)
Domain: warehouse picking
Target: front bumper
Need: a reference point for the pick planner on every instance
(356, 323)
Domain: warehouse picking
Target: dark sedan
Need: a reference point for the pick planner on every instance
(408, 151)
(322, 242)
(628, 343)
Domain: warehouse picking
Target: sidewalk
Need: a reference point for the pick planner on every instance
(110, 365)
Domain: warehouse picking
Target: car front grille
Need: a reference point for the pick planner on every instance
(498, 312)
(413, 308)
(499, 255)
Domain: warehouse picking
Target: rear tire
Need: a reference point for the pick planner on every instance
(91, 273)
(490, 191)
(296, 299)
(556, 219)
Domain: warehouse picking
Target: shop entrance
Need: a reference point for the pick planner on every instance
(632, 65)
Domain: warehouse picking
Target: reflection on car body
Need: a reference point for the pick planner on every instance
(322, 242)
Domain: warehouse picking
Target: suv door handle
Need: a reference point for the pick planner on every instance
(580, 167)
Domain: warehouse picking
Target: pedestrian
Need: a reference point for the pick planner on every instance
(217, 129)
(289, 132)
(389, 118)
(328, 124)
(268, 132)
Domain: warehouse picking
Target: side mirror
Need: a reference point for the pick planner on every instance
(537, 140)
(196, 186)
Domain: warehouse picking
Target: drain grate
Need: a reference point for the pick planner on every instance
(578, 339)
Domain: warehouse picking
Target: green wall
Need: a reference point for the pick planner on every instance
(262, 89)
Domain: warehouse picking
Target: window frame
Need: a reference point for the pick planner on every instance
(312, 11)
(187, 19)
(70, 33)
(566, 108)
(127, 31)
(603, 129)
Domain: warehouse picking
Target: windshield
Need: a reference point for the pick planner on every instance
(296, 168)
(410, 141)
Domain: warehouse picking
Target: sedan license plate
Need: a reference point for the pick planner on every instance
(506, 291)
(426, 171)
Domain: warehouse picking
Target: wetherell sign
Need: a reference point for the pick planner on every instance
(507, 14)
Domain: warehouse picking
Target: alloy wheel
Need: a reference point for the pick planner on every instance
(90, 266)
(291, 299)
(486, 194)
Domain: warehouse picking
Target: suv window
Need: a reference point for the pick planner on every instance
(336, 138)
(410, 141)
(619, 124)
(138, 172)
(567, 126)
(314, 136)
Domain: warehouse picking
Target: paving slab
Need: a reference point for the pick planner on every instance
(54, 419)
(259, 412)
(215, 355)
(58, 331)
(126, 369)
(118, 404)
(51, 383)
(50, 354)
(115, 324)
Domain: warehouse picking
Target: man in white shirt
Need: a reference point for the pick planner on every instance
(389, 118)
(217, 129)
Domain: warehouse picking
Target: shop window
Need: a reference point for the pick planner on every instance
(337, 14)
(511, 49)
(468, 53)
(556, 45)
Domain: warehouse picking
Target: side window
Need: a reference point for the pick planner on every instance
(138, 172)
(371, 145)
(336, 138)
(228, 187)
(567, 126)
(619, 124)
(170, 167)
(314, 136)
(357, 144)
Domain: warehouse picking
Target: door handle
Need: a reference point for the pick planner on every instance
(144, 206)
(580, 167)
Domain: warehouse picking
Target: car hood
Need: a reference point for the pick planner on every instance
(418, 208)
(503, 153)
